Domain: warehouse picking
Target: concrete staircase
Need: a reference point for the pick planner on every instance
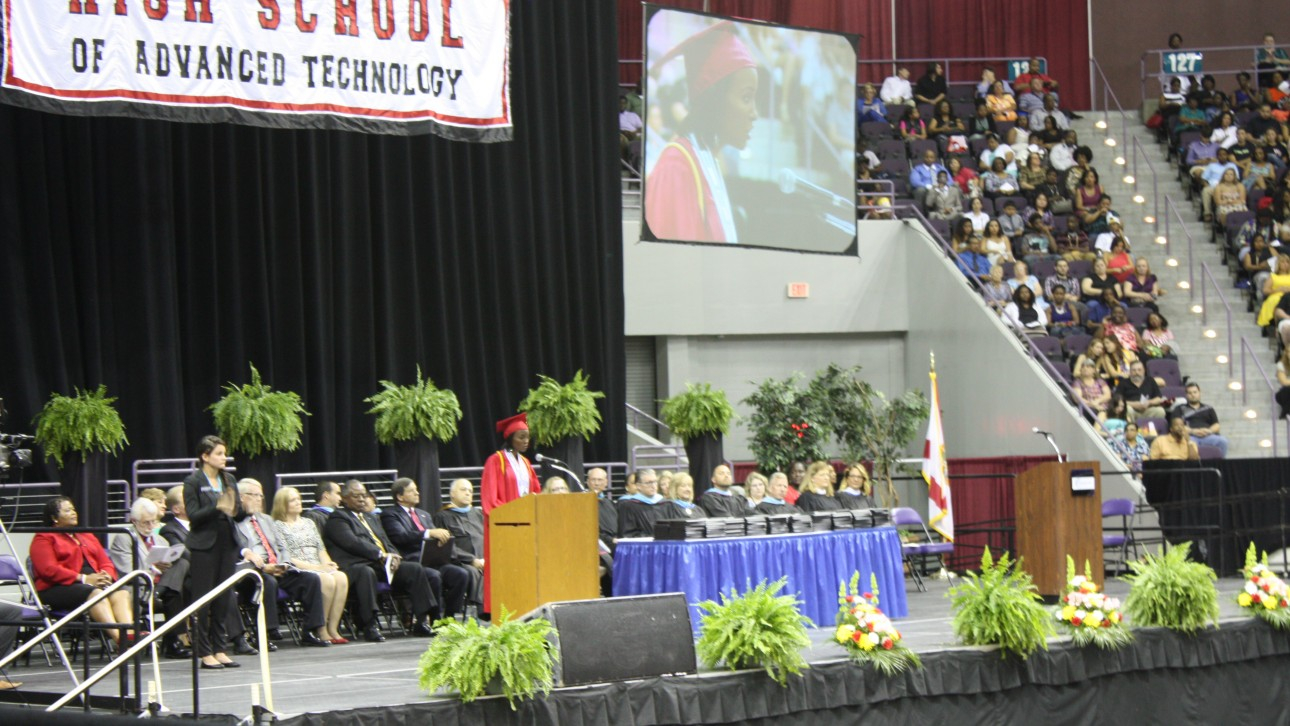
(1198, 352)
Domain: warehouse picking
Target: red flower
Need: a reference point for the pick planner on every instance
(1076, 621)
(867, 596)
(1256, 598)
(857, 635)
(887, 644)
(1267, 587)
(1106, 623)
(850, 598)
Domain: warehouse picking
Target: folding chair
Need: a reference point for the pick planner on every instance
(1122, 508)
(906, 518)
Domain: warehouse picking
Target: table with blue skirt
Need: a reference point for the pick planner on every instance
(815, 563)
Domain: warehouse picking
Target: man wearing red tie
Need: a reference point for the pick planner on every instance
(508, 475)
(260, 548)
(168, 576)
(407, 527)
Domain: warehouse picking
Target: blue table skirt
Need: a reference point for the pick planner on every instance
(815, 563)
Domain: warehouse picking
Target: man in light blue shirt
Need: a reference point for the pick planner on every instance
(923, 176)
(1211, 174)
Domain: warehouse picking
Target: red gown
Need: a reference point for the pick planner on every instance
(678, 201)
(497, 487)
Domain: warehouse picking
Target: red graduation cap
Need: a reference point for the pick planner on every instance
(710, 55)
(508, 426)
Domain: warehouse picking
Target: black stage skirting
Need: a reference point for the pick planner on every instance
(1232, 675)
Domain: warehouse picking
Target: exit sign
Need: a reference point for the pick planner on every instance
(799, 290)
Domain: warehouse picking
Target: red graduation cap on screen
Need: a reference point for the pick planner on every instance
(508, 426)
(710, 55)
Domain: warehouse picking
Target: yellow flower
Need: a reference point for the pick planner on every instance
(865, 644)
(1114, 616)
(1068, 612)
(1244, 600)
(1270, 603)
(844, 633)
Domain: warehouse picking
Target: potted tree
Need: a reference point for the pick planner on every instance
(700, 416)
(257, 423)
(414, 419)
(784, 424)
(85, 423)
(562, 417)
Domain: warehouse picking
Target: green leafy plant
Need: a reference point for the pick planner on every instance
(867, 634)
(467, 658)
(759, 629)
(1089, 616)
(83, 423)
(254, 419)
(1172, 592)
(557, 412)
(700, 411)
(420, 410)
(999, 606)
(784, 425)
(1263, 593)
(867, 424)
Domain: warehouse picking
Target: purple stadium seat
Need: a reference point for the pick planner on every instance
(1051, 348)
(987, 205)
(976, 146)
(962, 93)
(890, 149)
(963, 109)
(1076, 344)
(1166, 370)
(1060, 224)
(1176, 393)
(1019, 201)
(1145, 424)
(1080, 269)
(1209, 452)
(1064, 373)
(1042, 268)
(1138, 316)
(875, 130)
(918, 146)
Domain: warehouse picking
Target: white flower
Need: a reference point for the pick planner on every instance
(875, 638)
(1250, 587)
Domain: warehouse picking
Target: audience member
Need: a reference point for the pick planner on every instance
(1201, 419)
(896, 90)
(945, 123)
(1091, 390)
(129, 551)
(1132, 449)
(981, 125)
(1013, 226)
(997, 293)
(719, 501)
(174, 524)
(1061, 277)
(977, 216)
(1073, 244)
(1283, 380)
(212, 505)
(869, 107)
(818, 494)
(598, 484)
(1141, 288)
(1119, 264)
(964, 177)
(1032, 73)
(357, 541)
(1228, 195)
(1031, 99)
(1224, 133)
(774, 501)
(1269, 59)
(69, 567)
(681, 504)
(1002, 106)
(995, 150)
(1092, 353)
(261, 549)
(637, 512)
(1063, 319)
(944, 200)
(1088, 194)
(987, 82)
(1174, 446)
(924, 176)
(1032, 176)
(912, 126)
(1097, 221)
(755, 489)
(303, 544)
(975, 262)
(931, 88)
(1116, 362)
(1141, 394)
(1024, 313)
(1111, 423)
(326, 499)
(1021, 277)
(796, 476)
(409, 527)
(1157, 339)
(1048, 111)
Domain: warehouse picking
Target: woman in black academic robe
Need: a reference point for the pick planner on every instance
(817, 492)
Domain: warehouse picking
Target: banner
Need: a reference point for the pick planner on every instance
(380, 66)
(940, 510)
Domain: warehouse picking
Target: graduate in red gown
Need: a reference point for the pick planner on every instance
(508, 475)
(685, 190)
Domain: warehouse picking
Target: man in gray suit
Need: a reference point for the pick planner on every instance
(261, 549)
(167, 576)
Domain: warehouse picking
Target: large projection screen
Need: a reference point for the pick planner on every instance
(749, 133)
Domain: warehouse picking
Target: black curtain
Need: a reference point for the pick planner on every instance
(159, 258)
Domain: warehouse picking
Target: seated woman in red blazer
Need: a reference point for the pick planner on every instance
(69, 566)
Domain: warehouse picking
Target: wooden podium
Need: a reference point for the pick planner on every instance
(1054, 521)
(542, 548)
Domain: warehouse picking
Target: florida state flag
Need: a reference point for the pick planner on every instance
(935, 471)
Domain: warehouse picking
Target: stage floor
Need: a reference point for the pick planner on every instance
(364, 675)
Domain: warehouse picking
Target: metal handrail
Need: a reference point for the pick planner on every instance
(635, 413)
(948, 64)
(1143, 74)
(1106, 108)
(1204, 314)
(1191, 245)
(1155, 185)
(171, 623)
(1272, 390)
(76, 613)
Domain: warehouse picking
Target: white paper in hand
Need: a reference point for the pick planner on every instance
(165, 554)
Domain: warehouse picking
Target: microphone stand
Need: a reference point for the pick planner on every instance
(1052, 443)
(551, 463)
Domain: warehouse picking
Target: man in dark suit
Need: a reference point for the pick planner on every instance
(262, 550)
(356, 541)
(407, 527)
(326, 499)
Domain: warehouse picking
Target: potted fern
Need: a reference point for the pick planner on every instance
(257, 423)
(700, 416)
(999, 606)
(759, 629)
(78, 432)
(1170, 591)
(510, 657)
(414, 419)
(562, 417)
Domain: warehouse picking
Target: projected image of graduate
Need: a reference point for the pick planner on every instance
(750, 134)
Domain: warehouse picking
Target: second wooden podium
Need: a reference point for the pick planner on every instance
(1059, 513)
(542, 548)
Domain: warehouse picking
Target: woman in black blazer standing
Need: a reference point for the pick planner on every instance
(210, 496)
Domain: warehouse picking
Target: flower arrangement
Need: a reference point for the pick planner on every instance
(758, 629)
(1089, 616)
(1265, 594)
(867, 634)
